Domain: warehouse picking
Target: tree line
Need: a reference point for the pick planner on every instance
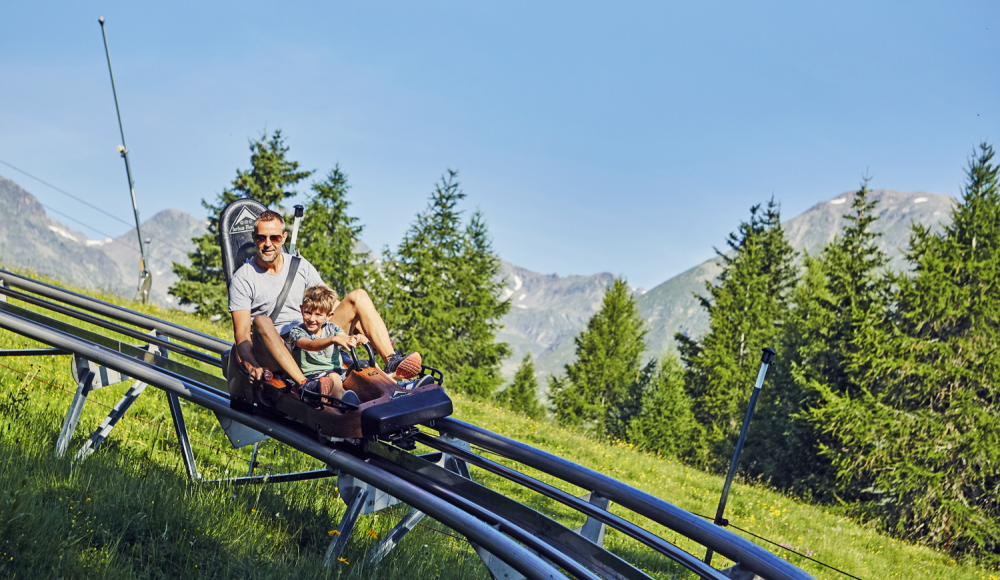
(885, 393)
(886, 390)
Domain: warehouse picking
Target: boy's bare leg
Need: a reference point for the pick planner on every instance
(269, 348)
(337, 388)
(356, 313)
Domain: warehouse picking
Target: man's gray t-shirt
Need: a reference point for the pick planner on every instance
(255, 290)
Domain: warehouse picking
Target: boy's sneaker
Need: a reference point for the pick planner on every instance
(310, 390)
(404, 366)
(352, 399)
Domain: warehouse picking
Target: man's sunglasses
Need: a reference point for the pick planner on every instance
(261, 238)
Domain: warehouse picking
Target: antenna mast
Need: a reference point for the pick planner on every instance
(145, 277)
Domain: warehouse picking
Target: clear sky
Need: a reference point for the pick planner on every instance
(623, 137)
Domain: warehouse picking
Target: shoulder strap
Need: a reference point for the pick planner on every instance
(292, 269)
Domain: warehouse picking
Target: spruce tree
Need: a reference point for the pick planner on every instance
(844, 296)
(919, 432)
(747, 310)
(522, 394)
(328, 236)
(441, 294)
(665, 424)
(270, 180)
(608, 354)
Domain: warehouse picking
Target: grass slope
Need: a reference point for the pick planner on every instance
(130, 512)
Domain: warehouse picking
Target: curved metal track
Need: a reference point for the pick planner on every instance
(529, 542)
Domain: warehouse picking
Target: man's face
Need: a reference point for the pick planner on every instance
(269, 237)
(314, 318)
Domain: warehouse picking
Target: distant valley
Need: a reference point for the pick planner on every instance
(547, 311)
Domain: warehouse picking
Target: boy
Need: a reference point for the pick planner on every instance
(317, 341)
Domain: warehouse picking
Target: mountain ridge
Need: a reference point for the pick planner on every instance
(547, 311)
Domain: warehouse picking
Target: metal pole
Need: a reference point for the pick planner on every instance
(145, 278)
(299, 211)
(766, 358)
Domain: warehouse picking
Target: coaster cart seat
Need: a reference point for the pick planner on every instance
(387, 411)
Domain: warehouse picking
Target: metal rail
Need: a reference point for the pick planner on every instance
(520, 558)
(173, 330)
(622, 525)
(182, 350)
(747, 554)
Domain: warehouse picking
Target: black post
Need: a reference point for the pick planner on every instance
(766, 358)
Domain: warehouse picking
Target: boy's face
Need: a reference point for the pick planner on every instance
(314, 318)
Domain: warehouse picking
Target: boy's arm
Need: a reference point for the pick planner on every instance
(315, 345)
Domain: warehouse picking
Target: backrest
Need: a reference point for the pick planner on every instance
(236, 234)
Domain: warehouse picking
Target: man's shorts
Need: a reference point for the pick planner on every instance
(256, 340)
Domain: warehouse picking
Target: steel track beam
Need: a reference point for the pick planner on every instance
(749, 555)
(199, 339)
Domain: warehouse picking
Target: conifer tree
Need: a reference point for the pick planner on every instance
(328, 236)
(747, 310)
(441, 294)
(844, 295)
(522, 394)
(919, 433)
(270, 180)
(608, 354)
(665, 424)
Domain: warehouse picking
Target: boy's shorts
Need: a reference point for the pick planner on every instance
(342, 373)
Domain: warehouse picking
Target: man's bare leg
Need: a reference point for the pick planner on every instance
(356, 313)
(271, 352)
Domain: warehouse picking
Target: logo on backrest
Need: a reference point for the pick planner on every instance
(243, 222)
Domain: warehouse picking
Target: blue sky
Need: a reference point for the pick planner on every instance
(621, 137)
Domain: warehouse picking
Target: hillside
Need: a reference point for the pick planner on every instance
(128, 511)
(546, 313)
(671, 307)
(170, 232)
(30, 238)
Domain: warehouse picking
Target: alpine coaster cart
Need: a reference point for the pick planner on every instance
(388, 411)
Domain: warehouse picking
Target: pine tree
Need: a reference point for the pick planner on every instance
(328, 236)
(441, 294)
(747, 310)
(522, 394)
(919, 433)
(665, 424)
(269, 180)
(607, 363)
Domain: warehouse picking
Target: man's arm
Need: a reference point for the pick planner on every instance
(244, 348)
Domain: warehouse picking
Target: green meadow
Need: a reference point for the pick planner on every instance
(129, 510)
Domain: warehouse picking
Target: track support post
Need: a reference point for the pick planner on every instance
(85, 384)
(110, 421)
(594, 529)
(410, 521)
(346, 526)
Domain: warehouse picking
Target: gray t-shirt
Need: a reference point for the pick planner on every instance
(255, 290)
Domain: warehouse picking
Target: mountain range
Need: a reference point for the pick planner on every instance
(547, 311)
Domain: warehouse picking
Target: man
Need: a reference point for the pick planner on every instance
(255, 288)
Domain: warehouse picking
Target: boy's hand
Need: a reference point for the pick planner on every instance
(346, 341)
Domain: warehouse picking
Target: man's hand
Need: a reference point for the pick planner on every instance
(256, 373)
(249, 362)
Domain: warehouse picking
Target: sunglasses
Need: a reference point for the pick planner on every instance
(275, 239)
